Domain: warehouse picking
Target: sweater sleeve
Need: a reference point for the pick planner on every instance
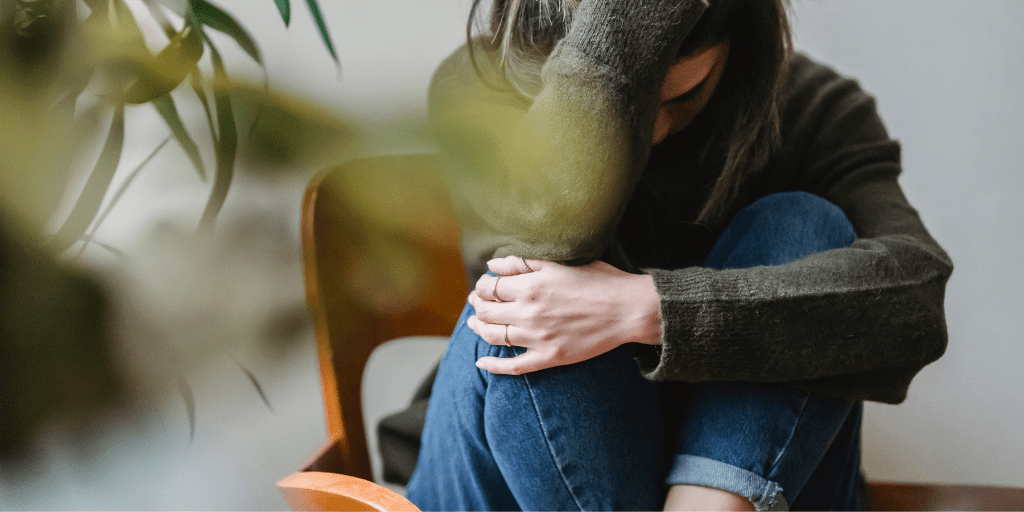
(548, 179)
(858, 322)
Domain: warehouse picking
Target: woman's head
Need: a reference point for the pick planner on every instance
(740, 46)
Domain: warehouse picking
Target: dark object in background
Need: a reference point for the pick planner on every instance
(55, 348)
(398, 435)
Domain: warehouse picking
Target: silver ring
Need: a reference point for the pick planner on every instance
(525, 264)
(506, 337)
(495, 290)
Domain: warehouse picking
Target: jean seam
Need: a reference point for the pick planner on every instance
(789, 440)
(547, 442)
(782, 451)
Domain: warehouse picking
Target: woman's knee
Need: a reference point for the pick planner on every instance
(780, 228)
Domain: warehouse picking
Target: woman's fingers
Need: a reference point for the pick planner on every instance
(531, 361)
(496, 313)
(497, 289)
(514, 265)
(494, 334)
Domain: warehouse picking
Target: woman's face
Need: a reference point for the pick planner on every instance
(688, 87)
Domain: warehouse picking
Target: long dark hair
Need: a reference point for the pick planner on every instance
(746, 103)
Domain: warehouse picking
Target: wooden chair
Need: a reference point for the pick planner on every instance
(381, 261)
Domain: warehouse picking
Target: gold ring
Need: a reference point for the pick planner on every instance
(525, 264)
(495, 290)
(506, 337)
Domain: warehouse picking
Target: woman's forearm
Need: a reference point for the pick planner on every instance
(550, 178)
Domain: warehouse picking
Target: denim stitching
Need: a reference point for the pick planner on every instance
(792, 434)
(774, 489)
(547, 442)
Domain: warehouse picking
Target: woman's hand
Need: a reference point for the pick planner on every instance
(561, 315)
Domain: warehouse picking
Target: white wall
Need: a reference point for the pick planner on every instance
(947, 77)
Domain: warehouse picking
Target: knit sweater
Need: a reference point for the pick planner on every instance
(571, 177)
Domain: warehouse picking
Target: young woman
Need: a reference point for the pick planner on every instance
(700, 264)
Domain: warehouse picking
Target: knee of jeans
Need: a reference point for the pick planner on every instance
(780, 228)
(803, 208)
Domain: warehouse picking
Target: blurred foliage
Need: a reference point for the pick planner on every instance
(52, 61)
(55, 359)
(69, 71)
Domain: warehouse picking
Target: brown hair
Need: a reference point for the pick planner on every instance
(746, 104)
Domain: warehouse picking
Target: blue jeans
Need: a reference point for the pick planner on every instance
(596, 435)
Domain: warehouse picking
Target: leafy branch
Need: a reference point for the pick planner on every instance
(51, 59)
(131, 75)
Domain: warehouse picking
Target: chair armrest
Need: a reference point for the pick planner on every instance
(313, 490)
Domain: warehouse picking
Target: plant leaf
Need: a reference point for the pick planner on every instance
(213, 17)
(161, 19)
(171, 66)
(89, 201)
(190, 407)
(165, 106)
(315, 9)
(227, 142)
(197, 86)
(255, 382)
(109, 248)
(286, 10)
(117, 196)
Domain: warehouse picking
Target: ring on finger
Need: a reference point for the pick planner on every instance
(525, 264)
(494, 292)
(506, 337)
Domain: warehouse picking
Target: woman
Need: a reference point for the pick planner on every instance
(662, 183)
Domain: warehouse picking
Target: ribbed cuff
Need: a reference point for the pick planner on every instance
(764, 494)
(685, 297)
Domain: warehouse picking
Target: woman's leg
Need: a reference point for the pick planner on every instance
(766, 441)
(587, 436)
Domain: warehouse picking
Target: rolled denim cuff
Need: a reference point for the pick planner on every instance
(764, 494)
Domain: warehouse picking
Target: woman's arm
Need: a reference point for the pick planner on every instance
(858, 322)
(549, 179)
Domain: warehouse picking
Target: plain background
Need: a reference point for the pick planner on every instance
(947, 77)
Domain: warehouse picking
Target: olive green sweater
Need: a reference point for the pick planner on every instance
(571, 174)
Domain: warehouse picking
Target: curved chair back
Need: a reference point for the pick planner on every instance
(381, 260)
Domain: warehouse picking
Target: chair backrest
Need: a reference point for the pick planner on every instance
(381, 260)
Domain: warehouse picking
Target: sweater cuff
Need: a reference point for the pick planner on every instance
(701, 333)
(684, 296)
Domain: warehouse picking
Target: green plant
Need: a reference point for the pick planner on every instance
(55, 56)
(66, 67)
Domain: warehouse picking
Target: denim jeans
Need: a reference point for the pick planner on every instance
(596, 435)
